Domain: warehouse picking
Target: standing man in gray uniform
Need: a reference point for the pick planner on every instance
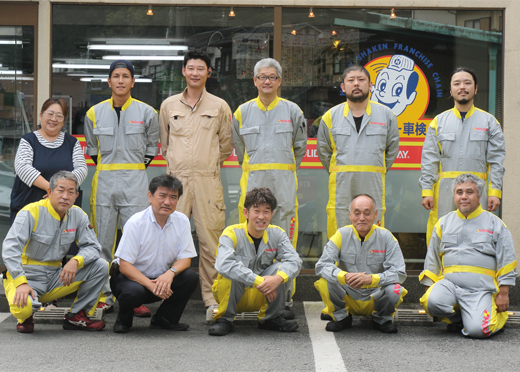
(369, 272)
(470, 265)
(38, 240)
(270, 137)
(122, 135)
(358, 142)
(464, 139)
(256, 264)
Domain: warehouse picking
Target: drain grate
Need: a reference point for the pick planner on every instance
(242, 317)
(412, 316)
(55, 315)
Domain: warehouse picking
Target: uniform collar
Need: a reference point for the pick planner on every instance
(183, 100)
(346, 109)
(468, 114)
(271, 106)
(125, 106)
(367, 236)
(52, 211)
(264, 236)
(477, 212)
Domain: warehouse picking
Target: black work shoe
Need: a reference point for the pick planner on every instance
(160, 322)
(455, 327)
(339, 325)
(221, 328)
(121, 328)
(324, 316)
(278, 324)
(288, 314)
(386, 327)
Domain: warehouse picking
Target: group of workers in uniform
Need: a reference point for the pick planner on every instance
(253, 265)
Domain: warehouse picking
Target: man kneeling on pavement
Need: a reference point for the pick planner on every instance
(470, 265)
(154, 257)
(256, 264)
(361, 270)
(33, 249)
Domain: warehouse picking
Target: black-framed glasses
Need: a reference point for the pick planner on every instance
(271, 78)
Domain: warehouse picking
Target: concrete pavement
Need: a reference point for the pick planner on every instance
(414, 348)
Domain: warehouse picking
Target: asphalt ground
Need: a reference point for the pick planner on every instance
(414, 348)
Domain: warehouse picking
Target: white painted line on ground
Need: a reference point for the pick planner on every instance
(4, 316)
(327, 356)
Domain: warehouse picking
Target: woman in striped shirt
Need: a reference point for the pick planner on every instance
(44, 152)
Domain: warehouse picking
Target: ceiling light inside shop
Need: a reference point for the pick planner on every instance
(146, 58)
(334, 32)
(10, 72)
(311, 13)
(392, 14)
(89, 79)
(136, 47)
(293, 32)
(95, 76)
(18, 78)
(150, 11)
(82, 67)
(11, 42)
(231, 12)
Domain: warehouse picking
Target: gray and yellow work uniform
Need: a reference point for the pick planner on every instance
(120, 184)
(467, 260)
(195, 142)
(357, 162)
(378, 255)
(454, 146)
(33, 249)
(270, 144)
(241, 269)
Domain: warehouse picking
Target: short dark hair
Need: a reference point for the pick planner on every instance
(258, 196)
(165, 180)
(355, 68)
(464, 69)
(197, 54)
(368, 196)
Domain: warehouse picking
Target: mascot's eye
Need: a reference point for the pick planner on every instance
(382, 85)
(397, 89)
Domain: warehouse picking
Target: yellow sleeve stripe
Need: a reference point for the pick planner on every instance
(283, 275)
(336, 239)
(259, 280)
(493, 192)
(81, 261)
(438, 230)
(341, 277)
(429, 274)
(230, 233)
(91, 114)
(375, 281)
(238, 116)
(19, 281)
(427, 193)
(508, 268)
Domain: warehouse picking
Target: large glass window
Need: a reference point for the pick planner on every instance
(316, 50)
(314, 53)
(16, 106)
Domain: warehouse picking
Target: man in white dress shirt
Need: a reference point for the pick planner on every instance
(154, 257)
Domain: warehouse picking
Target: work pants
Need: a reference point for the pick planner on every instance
(203, 199)
(131, 294)
(342, 300)
(453, 304)
(44, 280)
(112, 204)
(234, 297)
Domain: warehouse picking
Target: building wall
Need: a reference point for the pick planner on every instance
(511, 50)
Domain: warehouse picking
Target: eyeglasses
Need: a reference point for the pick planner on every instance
(271, 78)
(54, 115)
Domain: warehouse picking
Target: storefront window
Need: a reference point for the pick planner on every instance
(314, 53)
(16, 106)
(316, 50)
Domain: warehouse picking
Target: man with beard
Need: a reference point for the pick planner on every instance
(358, 142)
(462, 140)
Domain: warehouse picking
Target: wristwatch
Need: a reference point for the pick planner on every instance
(174, 270)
